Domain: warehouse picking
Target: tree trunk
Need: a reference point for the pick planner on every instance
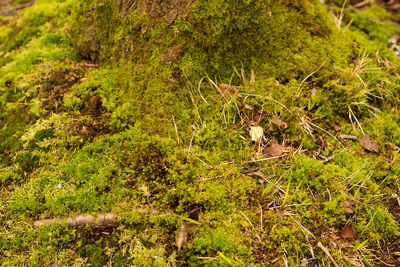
(158, 11)
(288, 38)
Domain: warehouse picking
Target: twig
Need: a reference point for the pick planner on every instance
(11, 10)
(362, 4)
(349, 137)
(326, 250)
(261, 217)
(264, 159)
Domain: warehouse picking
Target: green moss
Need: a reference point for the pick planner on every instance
(219, 36)
(142, 137)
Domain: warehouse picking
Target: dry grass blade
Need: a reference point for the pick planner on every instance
(311, 74)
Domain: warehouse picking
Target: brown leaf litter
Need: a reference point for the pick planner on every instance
(278, 123)
(348, 232)
(369, 144)
(348, 206)
(274, 150)
(228, 90)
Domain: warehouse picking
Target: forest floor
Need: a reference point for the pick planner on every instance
(125, 163)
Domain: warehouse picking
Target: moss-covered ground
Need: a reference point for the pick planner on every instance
(102, 111)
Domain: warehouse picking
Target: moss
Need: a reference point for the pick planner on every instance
(141, 136)
(209, 37)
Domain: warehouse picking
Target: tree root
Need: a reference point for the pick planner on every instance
(102, 220)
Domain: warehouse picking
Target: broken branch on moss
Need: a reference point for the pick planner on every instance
(107, 219)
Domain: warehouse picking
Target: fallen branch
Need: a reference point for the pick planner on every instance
(11, 10)
(107, 219)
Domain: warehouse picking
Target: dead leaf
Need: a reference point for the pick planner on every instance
(347, 232)
(393, 147)
(247, 106)
(314, 92)
(256, 133)
(281, 125)
(228, 90)
(274, 150)
(183, 234)
(304, 263)
(337, 128)
(259, 174)
(360, 152)
(346, 143)
(258, 118)
(348, 206)
(369, 144)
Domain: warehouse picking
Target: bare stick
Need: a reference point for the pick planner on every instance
(349, 137)
(107, 219)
